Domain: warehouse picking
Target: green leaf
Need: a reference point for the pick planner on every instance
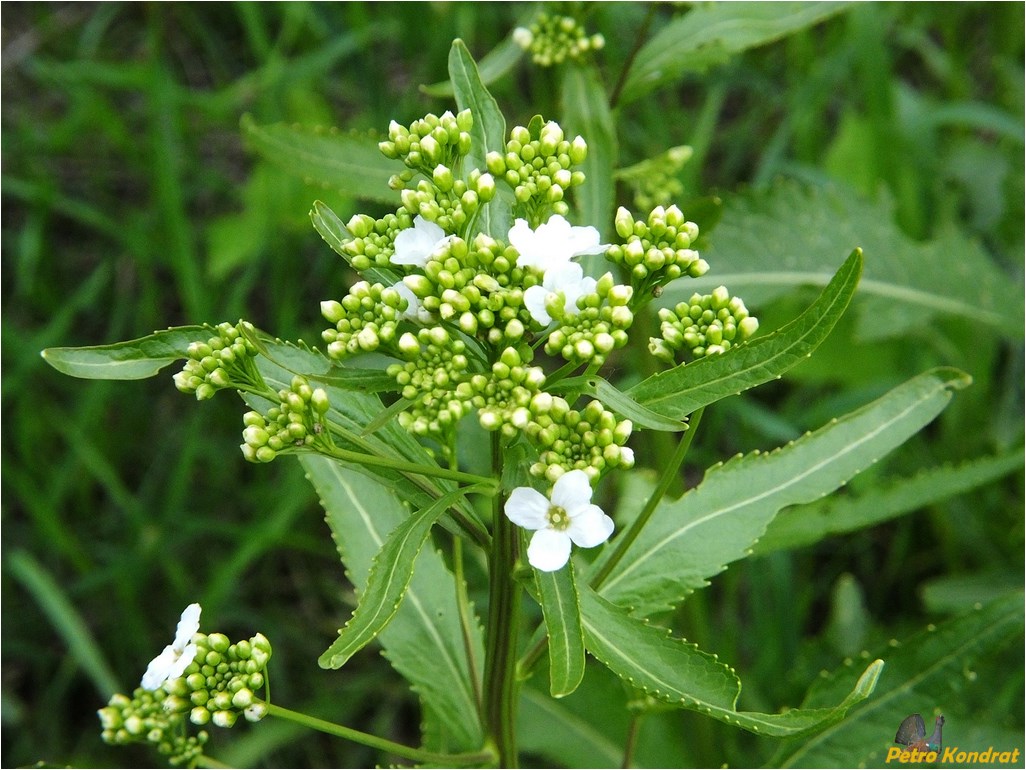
(585, 106)
(927, 669)
(424, 641)
(711, 33)
(617, 401)
(568, 738)
(130, 360)
(389, 578)
(679, 391)
(488, 133)
(348, 162)
(773, 240)
(492, 66)
(558, 595)
(674, 671)
(364, 380)
(336, 235)
(807, 524)
(688, 540)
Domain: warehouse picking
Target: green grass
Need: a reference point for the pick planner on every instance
(130, 203)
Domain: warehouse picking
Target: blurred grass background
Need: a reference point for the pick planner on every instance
(130, 204)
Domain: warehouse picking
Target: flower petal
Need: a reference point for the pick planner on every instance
(414, 310)
(549, 550)
(156, 672)
(534, 301)
(415, 244)
(589, 526)
(178, 666)
(188, 625)
(572, 490)
(527, 508)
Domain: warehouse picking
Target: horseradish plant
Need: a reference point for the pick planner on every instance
(473, 304)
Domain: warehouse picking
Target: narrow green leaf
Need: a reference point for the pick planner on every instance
(585, 106)
(348, 162)
(493, 65)
(130, 360)
(390, 575)
(336, 235)
(363, 380)
(807, 524)
(679, 391)
(424, 641)
(617, 401)
(560, 606)
(711, 33)
(688, 540)
(565, 737)
(677, 672)
(926, 670)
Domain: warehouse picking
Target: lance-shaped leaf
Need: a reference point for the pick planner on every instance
(130, 360)
(691, 539)
(926, 670)
(493, 65)
(424, 641)
(677, 672)
(679, 391)
(617, 401)
(335, 234)
(348, 162)
(389, 578)
(557, 592)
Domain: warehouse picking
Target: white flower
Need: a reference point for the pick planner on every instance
(414, 310)
(415, 244)
(176, 657)
(553, 243)
(567, 279)
(568, 518)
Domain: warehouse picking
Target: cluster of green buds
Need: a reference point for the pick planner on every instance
(143, 718)
(448, 201)
(537, 165)
(222, 681)
(553, 39)
(503, 398)
(703, 326)
(373, 240)
(365, 319)
(599, 326)
(656, 181)
(657, 250)
(591, 440)
(428, 142)
(223, 361)
(296, 422)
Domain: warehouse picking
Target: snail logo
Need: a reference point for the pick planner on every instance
(912, 733)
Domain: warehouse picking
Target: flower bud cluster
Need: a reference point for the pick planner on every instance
(436, 364)
(477, 286)
(656, 251)
(143, 718)
(297, 421)
(655, 181)
(553, 39)
(703, 326)
(429, 141)
(591, 440)
(373, 241)
(447, 201)
(537, 165)
(222, 681)
(503, 396)
(597, 328)
(366, 318)
(224, 361)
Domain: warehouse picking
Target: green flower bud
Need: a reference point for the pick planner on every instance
(199, 716)
(224, 718)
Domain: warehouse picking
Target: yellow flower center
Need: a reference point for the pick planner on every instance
(558, 519)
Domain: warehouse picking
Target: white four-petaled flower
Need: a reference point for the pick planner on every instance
(567, 279)
(567, 517)
(552, 243)
(415, 244)
(177, 656)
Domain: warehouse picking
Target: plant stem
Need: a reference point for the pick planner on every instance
(632, 739)
(398, 749)
(639, 40)
(500, 683)
(669, 474)
(467, 619)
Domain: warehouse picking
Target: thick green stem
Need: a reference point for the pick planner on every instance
(398, 749)
(500, 683)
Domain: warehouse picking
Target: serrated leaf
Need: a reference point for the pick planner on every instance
(926, 670)
(807, 524)
(711, 33)
(424, 641)
(585, 106)
(129, 360)
(390, 575)
(679, 391)
(691, 539)
(348, 162)
(674, 671)
(557, 592)
(493, 65)
(335, 234)
(773, 240)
